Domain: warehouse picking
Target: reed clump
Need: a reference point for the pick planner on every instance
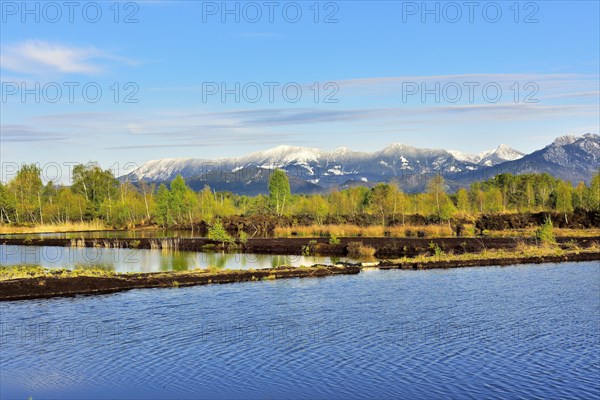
(55, 228)
(358, 249)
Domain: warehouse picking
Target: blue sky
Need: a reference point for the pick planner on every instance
(374, 60)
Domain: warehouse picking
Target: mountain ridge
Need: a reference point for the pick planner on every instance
(574, 158)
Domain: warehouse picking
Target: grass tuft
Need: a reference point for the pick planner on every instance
(358, 249)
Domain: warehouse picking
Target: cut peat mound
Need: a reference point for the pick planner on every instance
(485, 262)
(46, 287)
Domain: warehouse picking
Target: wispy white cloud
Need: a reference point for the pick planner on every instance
(275, 125)
(542, 86)
(42, 57)
(584, 87)
(23, 133)
(576, 95)
(479, 77)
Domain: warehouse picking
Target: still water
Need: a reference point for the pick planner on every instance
(130, 234)
(529, 331)
(143, 260)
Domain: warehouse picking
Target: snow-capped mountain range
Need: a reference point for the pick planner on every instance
(313, 170)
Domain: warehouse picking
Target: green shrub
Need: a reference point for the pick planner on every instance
(333, 240)
(436, 250)
(545, 233)
(217, 232)
(309, 249)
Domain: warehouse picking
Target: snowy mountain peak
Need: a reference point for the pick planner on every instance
(460, 156)
(570, 139)
(564, 140)
(507, 153)
(341, 151)
(284, 155)
(396, 146)
(491, 157)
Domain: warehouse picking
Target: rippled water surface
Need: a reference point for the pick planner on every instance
(510, 332)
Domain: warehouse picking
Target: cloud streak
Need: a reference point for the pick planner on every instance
(27, 134)
(276, 125)
(42, 57)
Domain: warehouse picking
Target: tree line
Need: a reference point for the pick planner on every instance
(95, 194)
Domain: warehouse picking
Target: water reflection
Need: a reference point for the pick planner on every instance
(149, 234)
(141, 260)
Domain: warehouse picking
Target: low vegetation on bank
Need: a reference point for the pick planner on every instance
(522, 250)
(35, 271)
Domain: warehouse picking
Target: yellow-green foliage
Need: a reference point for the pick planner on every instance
(28, 205)
(213, 269)
(217, 232)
